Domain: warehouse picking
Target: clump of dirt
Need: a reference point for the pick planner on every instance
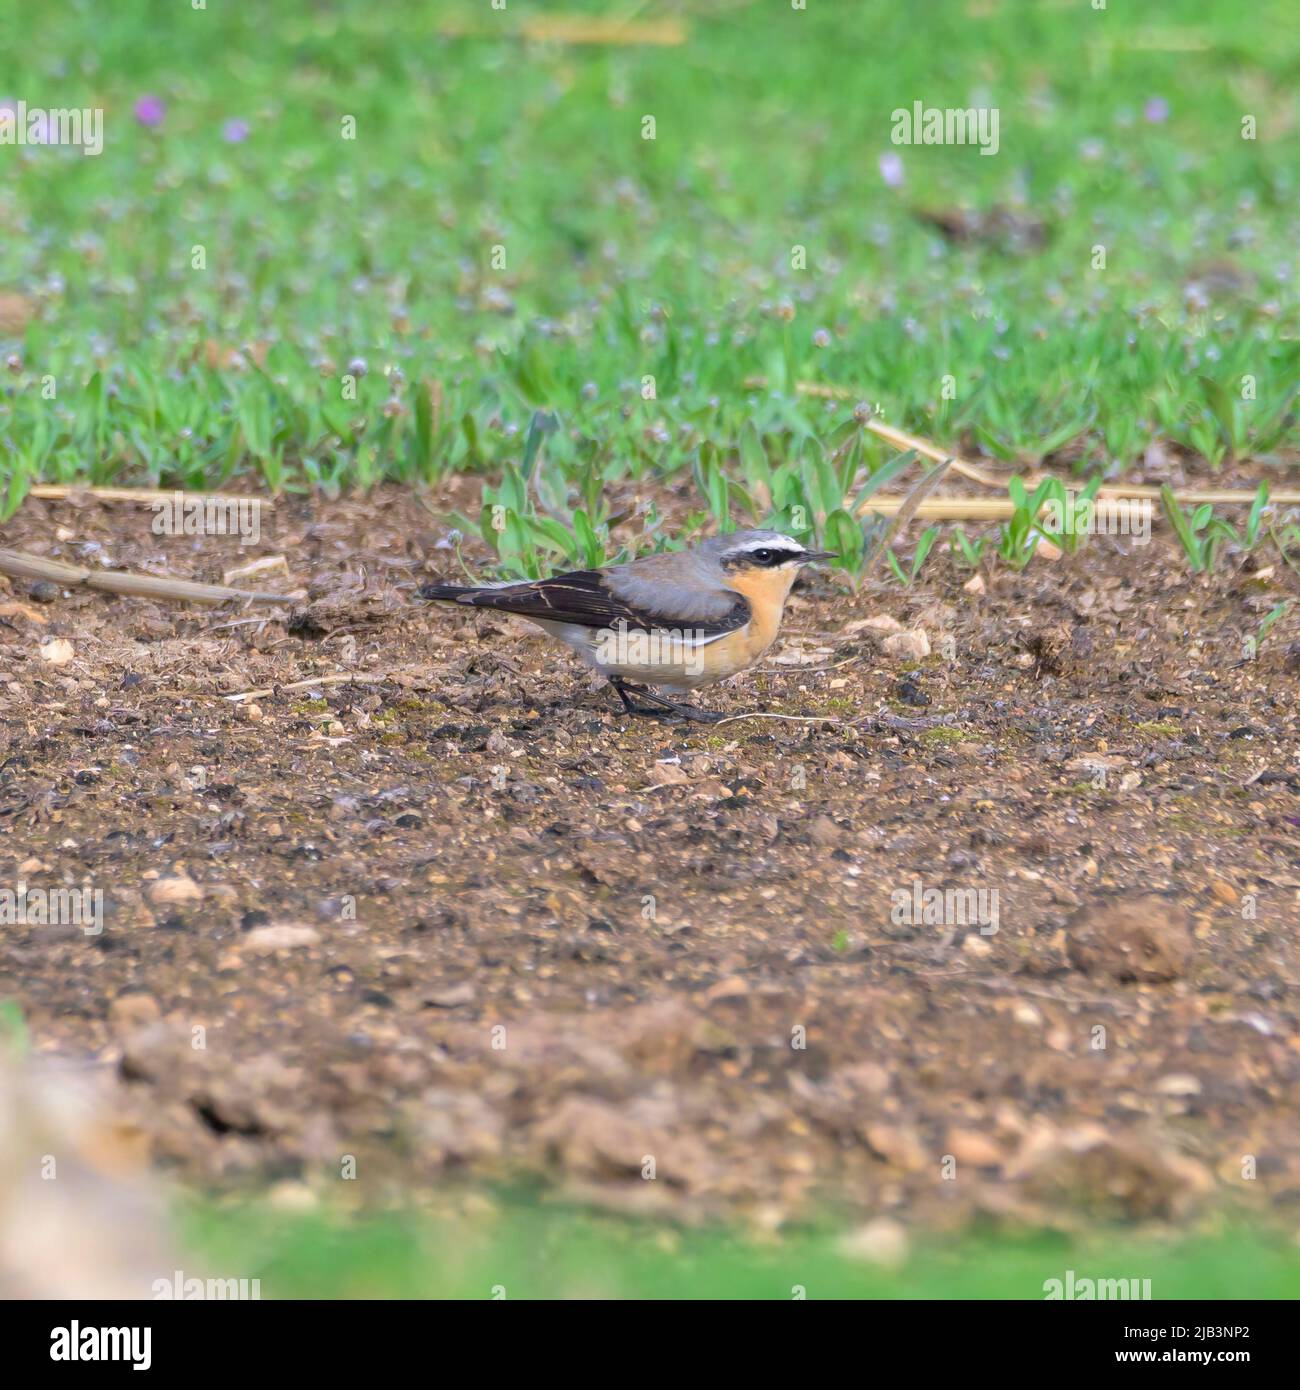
(1145, 939)
(422, 904)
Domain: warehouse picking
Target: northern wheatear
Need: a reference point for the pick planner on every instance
(677, 620)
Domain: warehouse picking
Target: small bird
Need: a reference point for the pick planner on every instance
(675, 620)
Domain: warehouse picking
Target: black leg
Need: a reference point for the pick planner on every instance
(625, 690)
(660, 706)
(620, 689)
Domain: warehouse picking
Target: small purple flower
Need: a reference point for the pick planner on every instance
(1156, 110)
(234, 132)
(150, 111)
(891, 169)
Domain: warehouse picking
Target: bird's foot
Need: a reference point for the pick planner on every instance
(658, 706)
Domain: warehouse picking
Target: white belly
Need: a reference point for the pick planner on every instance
(672, 659)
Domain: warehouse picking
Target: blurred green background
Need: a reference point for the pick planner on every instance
(626, 258)
(513, 1248)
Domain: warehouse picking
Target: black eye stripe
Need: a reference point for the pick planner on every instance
(767, 557)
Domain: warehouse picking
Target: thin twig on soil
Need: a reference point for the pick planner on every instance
(790, 718)
(20, 566)
(361, 678)
(55, 492)
(238, 622)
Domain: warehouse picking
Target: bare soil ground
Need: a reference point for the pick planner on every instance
(459, 918)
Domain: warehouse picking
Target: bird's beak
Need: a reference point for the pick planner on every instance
(812, 556)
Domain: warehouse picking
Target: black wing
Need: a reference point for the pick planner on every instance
(583, 598)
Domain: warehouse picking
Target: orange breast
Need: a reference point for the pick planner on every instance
(767, 591)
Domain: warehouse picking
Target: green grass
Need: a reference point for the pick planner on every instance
(554, 1252)
(627, 259)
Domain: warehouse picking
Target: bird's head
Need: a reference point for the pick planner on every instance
(746, 551)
